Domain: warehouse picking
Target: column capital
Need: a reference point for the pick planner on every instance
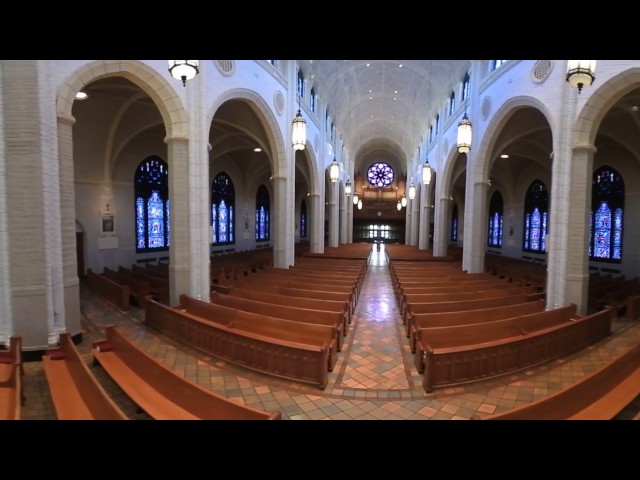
(66, 119)
(176, 139)
(586, 147)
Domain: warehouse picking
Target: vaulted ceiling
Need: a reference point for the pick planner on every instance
(384, 104)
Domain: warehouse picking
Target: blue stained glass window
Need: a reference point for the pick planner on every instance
(222, 204)
(465, 86)
(606, 219)
(303, 220)
(262, 214)
(168, 225)
(536, 214)
(151, 185)
(496, 208)
(454, 223)
(380, 175)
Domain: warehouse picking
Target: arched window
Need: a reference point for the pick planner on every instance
(496, 208)
(454, 223)
(222, 208)
(151, 191)
(300, 85)
(465, 87)
(303, 219)
(262, 214)
(272, 62)
(380, 174)
(536, 218)
(430, 133)
(437, 124)
(313, 100)
(606, 216)
(452, 103)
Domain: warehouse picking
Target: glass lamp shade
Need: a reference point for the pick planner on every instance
(359, 204)
(581, 73)
(299, 135)
(355, 198)
(403, 201)
(426, 173)
(334, 171)
(464, 135)
(347, 188)
(399, 205)
(412, 191)
(183, 69)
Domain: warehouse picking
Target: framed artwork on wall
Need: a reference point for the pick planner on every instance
(108, 223)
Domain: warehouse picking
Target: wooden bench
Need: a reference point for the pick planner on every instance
(75, 391)
(521, 345)
(114, 293)
(296, 314)
(284, 359)
(138, 289)
(419, 321)
(280, 329)
(159, 391)
(600, 396)
(11, 387)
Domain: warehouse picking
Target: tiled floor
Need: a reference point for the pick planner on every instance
(374, 377)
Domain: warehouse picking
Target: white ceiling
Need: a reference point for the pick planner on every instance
(369, 113)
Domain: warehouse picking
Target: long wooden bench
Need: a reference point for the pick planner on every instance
(506, 291)
(75, 391)
(159, 285)
(602, 395)
(296, 314)
(138, 289)
(293, 361)
(521, 345)
(279, 329)
(115, 293)
(419, 321)
(159, 391)
(299, 302)
(11, 387)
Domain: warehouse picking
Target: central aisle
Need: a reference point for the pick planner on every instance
(376, 357)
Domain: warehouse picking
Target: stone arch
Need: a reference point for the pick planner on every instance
(600, 101)
(260, 107)
(149, 80)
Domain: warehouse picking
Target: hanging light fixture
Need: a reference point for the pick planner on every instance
(399, 205)
(426, 173)
(347, 187)
(299, 130)
(403, 201)
(355, 198)
(334, 171)
(183, 69)
(581, 73)
(412, 191)
(359, 204)
(464, 134)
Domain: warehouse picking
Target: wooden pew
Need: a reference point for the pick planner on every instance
(602, 395)
(75, 391)
(520, 345)
(114, 293)
(419, 321)
(317, 304)
(279, 329)
(284, 359)
(138, 289)
(159, 391)
(307, 315)
(11, 387)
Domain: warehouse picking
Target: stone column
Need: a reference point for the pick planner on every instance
(441, 227)
(333, 218)
(423, 202)
(349, 207)
(6, 318)
(283, 228)
(342, 200)
(316, 231)
(475, 226)
(181, 249)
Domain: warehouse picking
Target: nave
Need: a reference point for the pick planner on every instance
(374, 378)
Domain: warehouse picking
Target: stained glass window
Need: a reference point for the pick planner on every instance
(454, 223)
(495, 220)
(313, 100)
(222, 206)
(151, 185)
(262, 214)
(536, 212)
(606, 216)
(303, 219)
(465, 87)
(300, 84)
(380, 174)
